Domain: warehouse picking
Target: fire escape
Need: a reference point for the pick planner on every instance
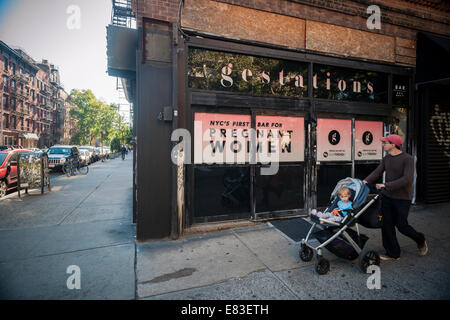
(122, 14)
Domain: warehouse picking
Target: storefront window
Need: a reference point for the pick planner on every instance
(399, 122)
(363, 170)
(282, 191)
(222, 191)
(328, 175)
(400, 91)
(336, 83)
(231, 72)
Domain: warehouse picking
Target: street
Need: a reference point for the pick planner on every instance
(84, 221)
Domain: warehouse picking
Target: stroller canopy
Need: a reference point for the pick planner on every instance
(358, 187)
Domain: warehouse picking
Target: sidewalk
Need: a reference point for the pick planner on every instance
(260, 262)
(85, 221)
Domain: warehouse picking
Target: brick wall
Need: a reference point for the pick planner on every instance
(399, 18)
(329, 26)
(243, 23)
(166, 10)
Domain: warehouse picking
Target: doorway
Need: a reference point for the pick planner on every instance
(242, 189)
(345, 147)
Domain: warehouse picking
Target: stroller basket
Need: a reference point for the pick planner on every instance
(372, 217)
(340, 246)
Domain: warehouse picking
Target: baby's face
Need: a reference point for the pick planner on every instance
(344, 197)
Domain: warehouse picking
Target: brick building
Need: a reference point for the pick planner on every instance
(32, 102)
(19, 98)
(325, 70)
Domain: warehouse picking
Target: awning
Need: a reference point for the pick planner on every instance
(30, 136)
(432, 59)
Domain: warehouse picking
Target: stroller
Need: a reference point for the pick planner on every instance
(338, 237)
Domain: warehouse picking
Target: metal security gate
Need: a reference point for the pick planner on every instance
(436, 151)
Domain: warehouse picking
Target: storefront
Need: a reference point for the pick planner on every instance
(29, 140)
(306, 82)
(323, 115)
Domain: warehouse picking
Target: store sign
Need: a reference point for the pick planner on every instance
(230, 139)
(231, 72)
(288, 132)
(221, 138)
(334, 140)
(338, 83)
(367, 140)
(400, 90)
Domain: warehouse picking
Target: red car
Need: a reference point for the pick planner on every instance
(8, 169)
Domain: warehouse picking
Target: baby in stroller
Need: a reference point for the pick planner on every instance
(339, 213)
(338, 236)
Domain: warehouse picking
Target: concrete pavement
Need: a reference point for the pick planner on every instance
(87, 221)
(260, 262)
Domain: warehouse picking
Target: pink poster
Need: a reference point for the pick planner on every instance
(286, 134)
(367, 140)
(225, 138)
(334, 140)
(221, 138)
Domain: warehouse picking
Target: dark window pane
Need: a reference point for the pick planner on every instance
(327, 178)
(399, 122)
(400, 91)
(222, 191)
(231, 72)
(337, 83)
(363, 170)
(282, 191)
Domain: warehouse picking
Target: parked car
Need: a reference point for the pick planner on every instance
(84, 157)
(92, 154)
(59, 155)
(8, 169)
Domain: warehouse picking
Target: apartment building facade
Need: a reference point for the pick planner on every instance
(31, 101)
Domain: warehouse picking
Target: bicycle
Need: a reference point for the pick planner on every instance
(82, 169)
(123, 155)
(68, 168)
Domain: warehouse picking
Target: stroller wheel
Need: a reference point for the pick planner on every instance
(368, 258)
(306, 253)
(322, 266)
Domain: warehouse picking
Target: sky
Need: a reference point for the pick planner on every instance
(71, 34)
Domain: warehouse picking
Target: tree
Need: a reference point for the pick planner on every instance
(96, 119)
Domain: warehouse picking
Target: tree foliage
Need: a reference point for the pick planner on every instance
(97, 120)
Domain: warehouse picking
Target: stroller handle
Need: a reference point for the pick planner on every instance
(374, 190)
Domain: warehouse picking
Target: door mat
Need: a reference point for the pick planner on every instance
(296, 228)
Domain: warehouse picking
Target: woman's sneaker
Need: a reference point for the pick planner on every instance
(423, 249)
